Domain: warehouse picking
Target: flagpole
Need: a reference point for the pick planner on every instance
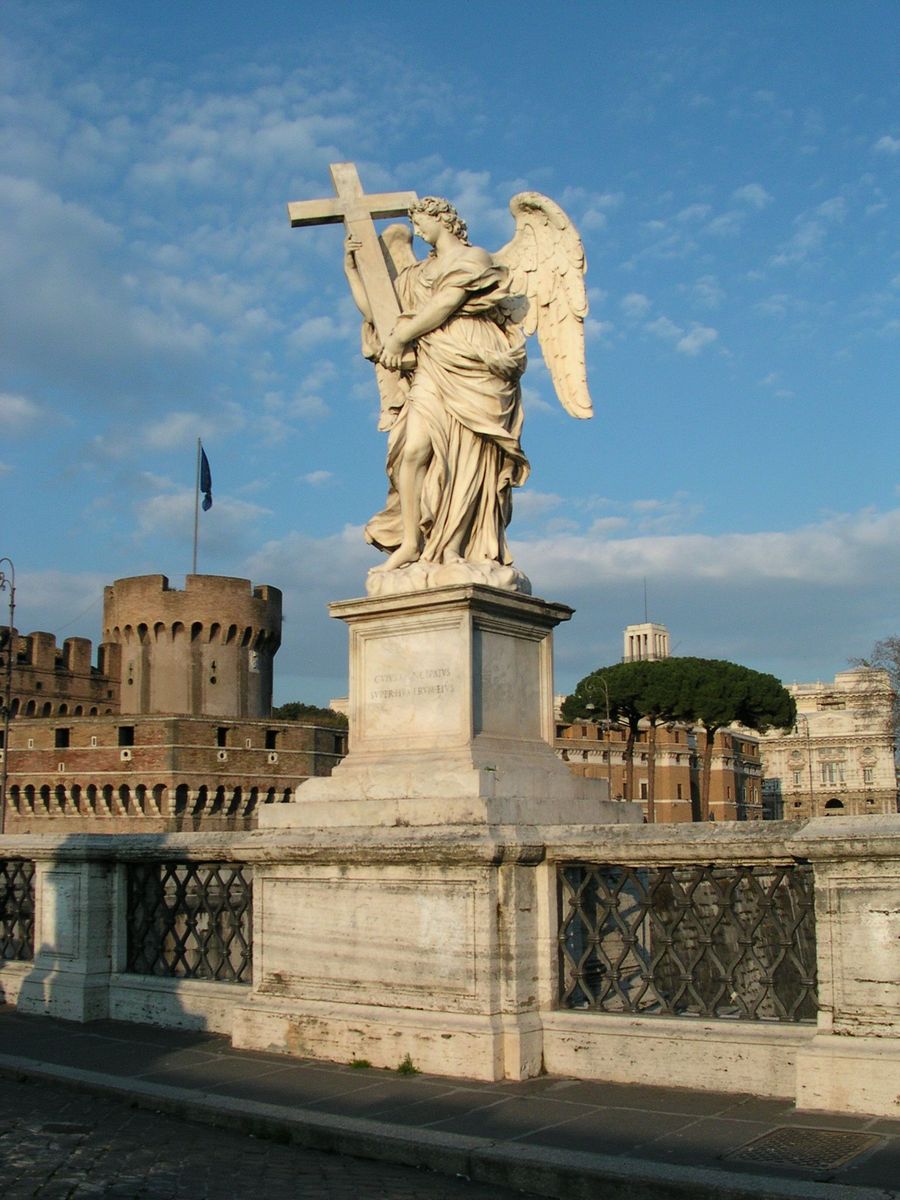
(196, 507)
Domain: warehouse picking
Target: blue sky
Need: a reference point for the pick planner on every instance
(733, 169)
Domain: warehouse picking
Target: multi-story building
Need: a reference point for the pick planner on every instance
(839, 757)
(735, 788)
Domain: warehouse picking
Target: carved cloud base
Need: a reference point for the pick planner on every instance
(419, 576)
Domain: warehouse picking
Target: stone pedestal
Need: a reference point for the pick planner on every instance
(451, 719)
(406, 914)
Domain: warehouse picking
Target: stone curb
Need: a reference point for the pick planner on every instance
(541, 1171)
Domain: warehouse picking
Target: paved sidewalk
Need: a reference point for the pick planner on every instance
(547, 1136)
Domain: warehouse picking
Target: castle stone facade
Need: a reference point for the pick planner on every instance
(207, 650)
(172, 728)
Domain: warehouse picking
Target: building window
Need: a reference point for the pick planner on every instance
(126, 735)
(795, 776)
(271, 739)
(868, 775)
(832, 773)
(61, 739)
(643, 789)
(222, 735)
(678, 791)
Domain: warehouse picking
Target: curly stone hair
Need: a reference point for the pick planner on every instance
(437, 206)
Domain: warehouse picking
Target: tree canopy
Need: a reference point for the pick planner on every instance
(705, 691)
(885, 654)
(309, 714)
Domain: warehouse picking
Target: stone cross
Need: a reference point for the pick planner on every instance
(357, 210)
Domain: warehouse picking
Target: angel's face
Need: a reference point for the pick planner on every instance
(427, 227)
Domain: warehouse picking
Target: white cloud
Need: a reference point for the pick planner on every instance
(64, 287)
(17, 413)
(317, 478)
(635, 305)
(811, 232)
(887, 145)
(727, 224)
(694, 212)
(834, 209)
(753, 194)
(529, 504)
(664, 328)
(179, 429)
(840, 551)
(315, 331)
(694, 341)
(170, 516)
(594, 330)
(707, 292)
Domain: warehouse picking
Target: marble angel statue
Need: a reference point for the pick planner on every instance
(449, 376)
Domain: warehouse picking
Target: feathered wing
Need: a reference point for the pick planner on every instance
(546, 264)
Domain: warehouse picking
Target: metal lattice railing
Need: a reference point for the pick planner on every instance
(191, 920)
(16, 910)
(689, 941)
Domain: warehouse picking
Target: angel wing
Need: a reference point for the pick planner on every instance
(546, 265)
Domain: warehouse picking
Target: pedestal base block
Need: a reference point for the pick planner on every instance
(451, 719)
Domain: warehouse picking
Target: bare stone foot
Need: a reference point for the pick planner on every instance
(406, 552)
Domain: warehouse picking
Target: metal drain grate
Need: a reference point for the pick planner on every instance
(800, 1146)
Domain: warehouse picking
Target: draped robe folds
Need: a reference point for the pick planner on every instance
(465, 386)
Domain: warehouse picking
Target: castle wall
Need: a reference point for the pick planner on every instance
(118, 774)
(51, 681)
(206, 650)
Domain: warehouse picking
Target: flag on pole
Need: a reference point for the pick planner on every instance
(205, 481)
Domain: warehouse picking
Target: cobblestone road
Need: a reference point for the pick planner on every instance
(57, 1143)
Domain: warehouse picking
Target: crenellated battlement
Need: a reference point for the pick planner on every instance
(49, 680)
(205, 649)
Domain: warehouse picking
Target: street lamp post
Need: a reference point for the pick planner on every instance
(7, 584)
(809, 764)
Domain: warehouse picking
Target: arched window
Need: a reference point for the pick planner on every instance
(833, 806)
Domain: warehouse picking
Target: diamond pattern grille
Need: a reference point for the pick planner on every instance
(689, 941)
(191, 920)
(16, 910)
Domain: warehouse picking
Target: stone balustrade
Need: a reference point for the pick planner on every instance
(746, 957)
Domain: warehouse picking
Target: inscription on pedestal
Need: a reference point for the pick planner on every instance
(411, 685)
